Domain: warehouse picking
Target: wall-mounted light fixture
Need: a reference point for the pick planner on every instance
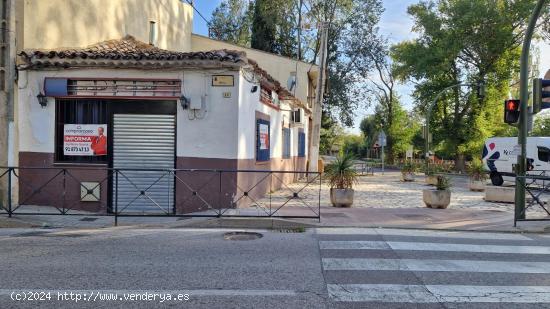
(42, 100)
(184, 102)
(254, 89)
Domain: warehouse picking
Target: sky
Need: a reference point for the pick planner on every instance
(395, 24)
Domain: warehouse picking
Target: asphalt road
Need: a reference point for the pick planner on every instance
(323, 268)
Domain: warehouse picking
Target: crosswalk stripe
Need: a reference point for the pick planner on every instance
(421, 233)
(436, 265)
(423, 246)
(438, 293)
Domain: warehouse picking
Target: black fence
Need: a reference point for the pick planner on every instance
(90, 191)
(536, 186)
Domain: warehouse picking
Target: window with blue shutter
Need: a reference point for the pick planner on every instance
(262, 140)
(301, 144)
(286, 143)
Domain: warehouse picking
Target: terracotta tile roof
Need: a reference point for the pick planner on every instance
(128, 52)
(271, 83)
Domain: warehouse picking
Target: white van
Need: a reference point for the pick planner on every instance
(499, 159)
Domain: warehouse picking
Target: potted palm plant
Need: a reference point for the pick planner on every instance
(478, 176)
(341, 176)
(431, 174)
(440, 197)
(407, 171)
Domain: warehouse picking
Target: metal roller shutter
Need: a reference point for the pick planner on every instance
(144, 142)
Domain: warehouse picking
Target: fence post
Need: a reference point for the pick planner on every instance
(64, 189)
(116, 197)
(9, 192)
(319, 203)
(220, 194)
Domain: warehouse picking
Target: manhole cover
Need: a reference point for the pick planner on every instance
(241, 236)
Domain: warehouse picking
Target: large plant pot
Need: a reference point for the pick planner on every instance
(407, 176)
(436, 198)
(341, 197)
(431, 180)
(476, 185)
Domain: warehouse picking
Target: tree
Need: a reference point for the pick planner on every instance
(232, 22)
(353, 42)
(541, 126)
(463, 41)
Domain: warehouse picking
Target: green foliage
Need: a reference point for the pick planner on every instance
(409, 167)
(476, 170)
(355, 145)
(332, 135)
(541, 126)
(463, 41)
(443, 183)
(341, 173)
(232, 21)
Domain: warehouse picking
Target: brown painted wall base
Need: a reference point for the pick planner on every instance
(195, 190)
(54, 187)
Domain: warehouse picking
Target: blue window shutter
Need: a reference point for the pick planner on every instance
(301, 144)
(262, 154)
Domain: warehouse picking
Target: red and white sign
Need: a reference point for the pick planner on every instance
(85, 140)
(264, 136)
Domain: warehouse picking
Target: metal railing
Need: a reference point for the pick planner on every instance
(535, 186)
(159, 192)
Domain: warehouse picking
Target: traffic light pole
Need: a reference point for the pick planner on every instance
(519, 212)
(429, 115)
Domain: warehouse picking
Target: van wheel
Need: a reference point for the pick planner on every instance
(496, 179)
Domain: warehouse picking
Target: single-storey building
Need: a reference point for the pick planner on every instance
(118, 113)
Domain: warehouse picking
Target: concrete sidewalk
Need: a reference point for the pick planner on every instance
(417, 218)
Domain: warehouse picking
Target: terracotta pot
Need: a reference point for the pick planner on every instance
(477, 185)
(431, 180)
(436, 198)
(408, 176)
(341, 197)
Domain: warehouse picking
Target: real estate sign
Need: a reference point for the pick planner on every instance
(85, 139)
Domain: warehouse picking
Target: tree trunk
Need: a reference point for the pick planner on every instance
(460, 163)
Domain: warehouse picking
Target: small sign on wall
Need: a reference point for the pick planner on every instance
(223, 80)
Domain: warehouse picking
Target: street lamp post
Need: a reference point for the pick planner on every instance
(429, 114)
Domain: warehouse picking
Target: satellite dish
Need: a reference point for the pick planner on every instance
(291, 82)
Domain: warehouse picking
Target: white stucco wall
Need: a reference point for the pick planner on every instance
(277, 66)
(247, 124)
(214, 136)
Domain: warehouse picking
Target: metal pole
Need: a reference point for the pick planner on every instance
(382, 159)
(116, 197)
(9, 192)
(524, 98)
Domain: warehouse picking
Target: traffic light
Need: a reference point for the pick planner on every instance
(511, 111)
(539, 94)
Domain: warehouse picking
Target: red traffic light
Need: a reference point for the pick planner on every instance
(511, 111)
(512, 105)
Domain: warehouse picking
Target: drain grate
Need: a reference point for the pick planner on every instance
(239, 236)
(89, 219)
